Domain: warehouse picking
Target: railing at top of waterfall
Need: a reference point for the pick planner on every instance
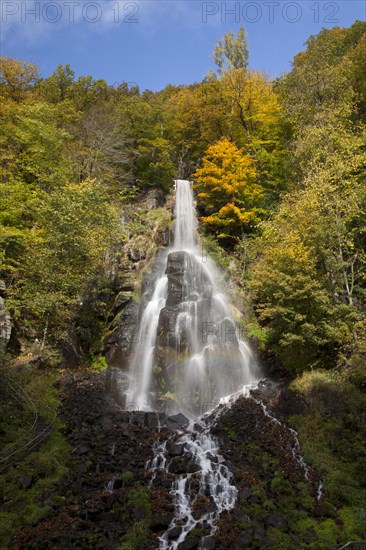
(353, 545)
(131, 406)
(30, 439)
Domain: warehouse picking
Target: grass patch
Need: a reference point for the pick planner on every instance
(138, 534)
(99, 363)
(137, 537)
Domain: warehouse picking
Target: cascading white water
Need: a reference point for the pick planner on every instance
(215, 482)
(141, 367)
(186, 222)
(186, 332)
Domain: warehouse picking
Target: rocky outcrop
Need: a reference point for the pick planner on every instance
(108, 313)
(119, 341)
(108, 492)
(180, 267)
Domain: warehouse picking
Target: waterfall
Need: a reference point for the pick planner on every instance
(188, 347)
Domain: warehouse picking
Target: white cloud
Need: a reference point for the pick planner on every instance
(35, 21)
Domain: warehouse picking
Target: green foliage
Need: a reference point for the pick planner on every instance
(154, 163)
(76, 225)
(308, 279)
(324, 76)
(211, 246)
(332, 436)
(141, 497)
(99, 363)
(137, 537)
(42, 146)
(127, 477)
(232, 51)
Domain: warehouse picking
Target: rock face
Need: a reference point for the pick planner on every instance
(185, 284)
(118, 343)
(6, 324)
(198, 357)
(107, 316)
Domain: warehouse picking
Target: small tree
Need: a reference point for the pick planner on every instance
(232, 51)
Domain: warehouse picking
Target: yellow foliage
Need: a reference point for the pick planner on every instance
(17, 77)
(226, 185)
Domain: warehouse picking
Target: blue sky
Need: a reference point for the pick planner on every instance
(157, 42)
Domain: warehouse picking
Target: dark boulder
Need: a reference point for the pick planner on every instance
(176, 421)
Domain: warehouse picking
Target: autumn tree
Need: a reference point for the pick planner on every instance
(57, 87)
(100, 148)
(232, 52)
(17, 78)
(227, 189)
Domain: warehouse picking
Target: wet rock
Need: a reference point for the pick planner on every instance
(176, 421)
(83, 450)
(5, 325)
(213, 458)
(166, 340)
(162, 521)
(175, 532)
(154, 420)
(244, 494)
(208, 543)
(193, 468)
(119, 342)
(2, 288)
(244, 540)
(26, 481)
(116, 382)
(123, 298)
(136, 255)
(175, 449)
(189, 543)
(259, 534)
(178, 465)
